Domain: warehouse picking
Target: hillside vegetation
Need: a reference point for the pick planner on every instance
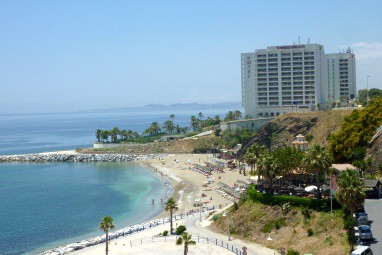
(304, 231)
(349, 144)
(316, 126)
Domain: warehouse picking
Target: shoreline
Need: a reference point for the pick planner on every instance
(187, 185)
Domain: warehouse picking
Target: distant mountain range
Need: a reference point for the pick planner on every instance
(173, 107)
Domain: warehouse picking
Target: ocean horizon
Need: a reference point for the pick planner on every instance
(36, 133)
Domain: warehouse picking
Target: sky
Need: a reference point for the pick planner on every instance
(60, 56)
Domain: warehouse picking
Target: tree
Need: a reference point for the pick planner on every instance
(350, 192)
(200, 115)
(172, 117)
(106, 224)
(194, 123)
(98, 135)
(253, 155)
(317, 160)
(229, 116)
(350, 143)
(290, 159)
(185, 239)
(170, 206)
(105, 135)
(373, 93)
(114, 134)
(169, 126)
(269, 167)
(237, 115)
(155, 127)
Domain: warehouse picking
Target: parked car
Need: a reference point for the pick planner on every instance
(362, 220)
(362, 250)
(365, 233)
(359, 214)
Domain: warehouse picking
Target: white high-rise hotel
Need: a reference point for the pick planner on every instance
(281, 79)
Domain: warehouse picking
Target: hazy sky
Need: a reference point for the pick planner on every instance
(75, 55)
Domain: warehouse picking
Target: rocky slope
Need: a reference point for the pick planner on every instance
(316, 126)
(375, 151)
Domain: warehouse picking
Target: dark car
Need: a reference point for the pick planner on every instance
(362, 220)
(365, 233)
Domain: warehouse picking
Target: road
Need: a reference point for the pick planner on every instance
(373, 208)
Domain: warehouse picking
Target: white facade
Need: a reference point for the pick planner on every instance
(289, 78)
(341, 76)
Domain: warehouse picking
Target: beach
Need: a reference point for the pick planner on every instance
(188, 184)
(192, 189)
(187, 190)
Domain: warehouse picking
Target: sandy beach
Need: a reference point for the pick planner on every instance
(188, 186)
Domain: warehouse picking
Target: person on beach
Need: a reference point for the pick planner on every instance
(152, 202)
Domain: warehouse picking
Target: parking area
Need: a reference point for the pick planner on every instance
(373, 208)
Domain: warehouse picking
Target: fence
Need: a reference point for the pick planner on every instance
(197, 239)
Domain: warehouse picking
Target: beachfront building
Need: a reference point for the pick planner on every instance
(341, 76)
(287, 78)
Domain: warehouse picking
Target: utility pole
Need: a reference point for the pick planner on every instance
(367, 90)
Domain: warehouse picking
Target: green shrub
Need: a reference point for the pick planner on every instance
(216, 217)
(310, 232)
(292, 252)
(270, 199)
(165, 233)
(267, 227)
(235, 206)
(306, 213)
(180, 230)
(271, 224)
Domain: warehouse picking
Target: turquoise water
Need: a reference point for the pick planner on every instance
(44, 205)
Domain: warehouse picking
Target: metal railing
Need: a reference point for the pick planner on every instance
(198, 239)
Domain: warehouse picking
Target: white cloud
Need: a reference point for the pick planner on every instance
(364, 50)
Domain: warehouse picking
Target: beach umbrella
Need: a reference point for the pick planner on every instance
(310, 188)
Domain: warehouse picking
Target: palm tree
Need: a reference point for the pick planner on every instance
(200, 121)
(155, 127)
(99, 134)
(106, 224)
(194, 123)
(229, 116)
(269, 167)
(256, 151)
(217, 119)
(317, 160)
(350, 193)
(186, 239)
(171, 205)
(172, 117)
(237, 115)
(169, 126)
(105, 135)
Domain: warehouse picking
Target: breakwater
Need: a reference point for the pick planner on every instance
(51, 157)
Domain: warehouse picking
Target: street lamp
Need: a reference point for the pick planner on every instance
(228, 231)
(274, 243)
(367, 90)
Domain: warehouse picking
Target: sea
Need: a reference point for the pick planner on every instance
(44, 205)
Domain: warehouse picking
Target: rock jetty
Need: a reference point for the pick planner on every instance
(73, 157)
